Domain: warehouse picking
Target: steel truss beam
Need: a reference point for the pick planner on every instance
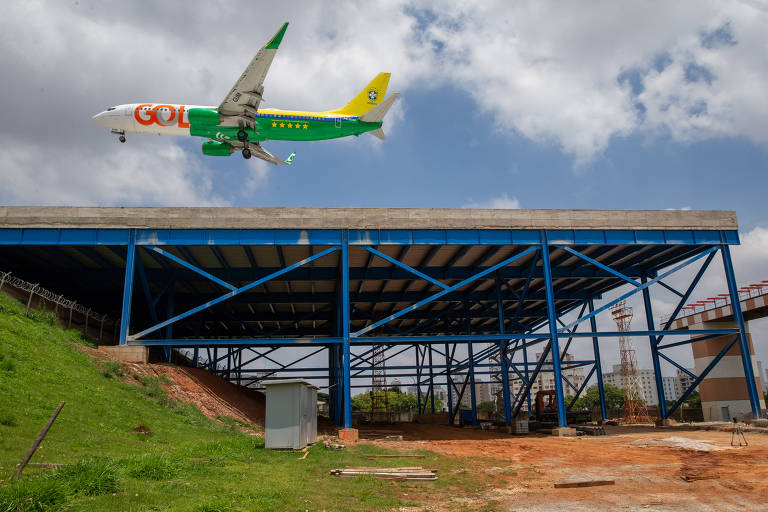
(515, 304)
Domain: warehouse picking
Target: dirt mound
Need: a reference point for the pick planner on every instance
(212, 395)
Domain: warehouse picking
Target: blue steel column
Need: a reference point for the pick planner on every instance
(552, 315)
(746, 358)
(418, 379)
(527, 377)
(654, 351)
(471, 357)
(345, 327)
(503, 354)
(598, 362)
(130, 260)
(431, 381)
(448, 364)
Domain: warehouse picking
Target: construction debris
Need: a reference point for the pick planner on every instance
(591, 430)
(587, 483)
(406, 473)
(332, 442)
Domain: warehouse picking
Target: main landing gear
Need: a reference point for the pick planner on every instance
(246, 153)
(242, 136)
(121, 138)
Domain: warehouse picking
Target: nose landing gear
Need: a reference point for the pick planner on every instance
(121, 134)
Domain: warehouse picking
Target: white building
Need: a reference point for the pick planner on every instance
(546, 381)
(684, 381)
(670, 386)
(673, 386)
(647, 382)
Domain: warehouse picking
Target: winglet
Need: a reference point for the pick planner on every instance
(289, 160)
(275, 42)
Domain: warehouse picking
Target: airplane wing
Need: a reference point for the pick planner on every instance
(260, 152)
(244, 98)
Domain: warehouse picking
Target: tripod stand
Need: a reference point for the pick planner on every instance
(738, 433)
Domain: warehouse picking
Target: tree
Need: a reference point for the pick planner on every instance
(486, 407)
(590, 399)
(426, 404)
(396, 401)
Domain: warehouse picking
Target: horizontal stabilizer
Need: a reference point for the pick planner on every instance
(377, 113)
(379, 134)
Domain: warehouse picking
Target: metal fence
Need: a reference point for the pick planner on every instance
(63, 308)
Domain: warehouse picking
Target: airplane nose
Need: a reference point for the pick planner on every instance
(100, 119)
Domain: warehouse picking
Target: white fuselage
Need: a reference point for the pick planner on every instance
(154, 118)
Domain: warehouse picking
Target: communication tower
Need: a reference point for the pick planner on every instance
(379, 397)
(634, 407)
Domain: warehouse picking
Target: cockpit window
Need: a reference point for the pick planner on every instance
(110, 108)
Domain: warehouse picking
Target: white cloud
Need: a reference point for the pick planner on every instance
(503, 202)
(572, 75)
(161, 174)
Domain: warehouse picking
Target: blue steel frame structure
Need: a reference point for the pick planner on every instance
(233, 296)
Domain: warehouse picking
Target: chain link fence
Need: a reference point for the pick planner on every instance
(69, 312)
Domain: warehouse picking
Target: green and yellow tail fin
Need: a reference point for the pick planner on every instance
(369, 97)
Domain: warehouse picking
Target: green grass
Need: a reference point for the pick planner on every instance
(189, 463)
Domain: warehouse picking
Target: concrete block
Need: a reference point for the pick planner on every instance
(127, 353)
(563, 431)
(668, 422)
(348, 435)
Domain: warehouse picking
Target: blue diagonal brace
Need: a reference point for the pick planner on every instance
(191, 267)
(405, 267)
(687, 294)
(598, 264)
(677, 365)
(639, 288)
(443, 292)
(233, 293)
(701, 377)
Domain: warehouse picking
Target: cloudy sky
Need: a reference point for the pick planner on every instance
(601, 104)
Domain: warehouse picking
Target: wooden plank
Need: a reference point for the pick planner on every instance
(587, 483)
(38, 440)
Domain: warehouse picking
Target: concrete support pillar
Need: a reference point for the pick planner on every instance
(724, 393)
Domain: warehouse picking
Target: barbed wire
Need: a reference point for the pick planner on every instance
(36, 289)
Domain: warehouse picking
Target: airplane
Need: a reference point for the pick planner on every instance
(238, 124)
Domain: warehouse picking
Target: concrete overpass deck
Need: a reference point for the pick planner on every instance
(494, 283)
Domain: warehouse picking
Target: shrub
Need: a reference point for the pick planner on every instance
(6, 364)
(35, 494)
(90, 477)
(150, 386)
(153, 466)
(112, 369)
(7, 419)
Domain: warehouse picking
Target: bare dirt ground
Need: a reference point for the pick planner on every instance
(650, 470)
(213, 396)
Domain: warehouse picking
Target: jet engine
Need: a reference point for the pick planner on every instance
(215, 148)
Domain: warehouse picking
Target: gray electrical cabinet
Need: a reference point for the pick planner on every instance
(291, 418)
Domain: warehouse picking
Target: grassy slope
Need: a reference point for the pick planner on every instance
(189, 463)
